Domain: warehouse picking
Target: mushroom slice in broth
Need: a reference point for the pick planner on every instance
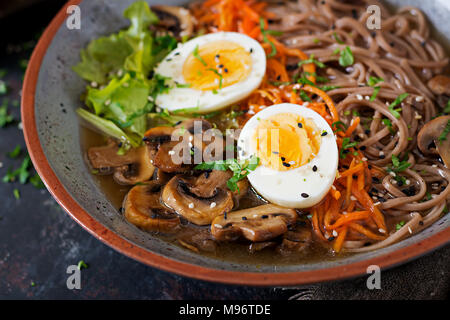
(143, 208)
(428, 139)
(256, 224)
(200, 211)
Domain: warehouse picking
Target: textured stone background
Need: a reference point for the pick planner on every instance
(38, 240)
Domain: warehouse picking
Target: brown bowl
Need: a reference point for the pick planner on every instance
(50, 96)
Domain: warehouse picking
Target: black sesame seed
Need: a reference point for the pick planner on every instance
(283, 158)
(369, 166)
(315, 168)
(345, 166)
(244, 218)
(217, 56)
(220, 66)
(362, 148)
(355, 176)
(300, 125)
(333, 27)
(324, 134)
(354, 13)
(251, 50)
(305, 195)
(373, 34)
(265, 216)
(278, 77)
(367, 131)
(421, 223)
(375, 179)
(226, 70)
(177, 53)
(423, 43)
(382, 156)
(286, 164)
(331, 238)
(225, 215)
(206, 174)
(391, 44)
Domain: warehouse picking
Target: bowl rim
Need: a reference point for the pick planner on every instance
(149, 258)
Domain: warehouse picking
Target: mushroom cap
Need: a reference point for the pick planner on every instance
(108, 156)
(200, 211)
(176, 19)
(440, 84)
(427, 139)
(140, 170)
(255, 224)
(143, 208)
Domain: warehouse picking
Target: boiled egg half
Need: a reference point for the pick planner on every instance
(211, 72)
(297, 151)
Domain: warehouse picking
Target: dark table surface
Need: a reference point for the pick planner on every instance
(38, 240)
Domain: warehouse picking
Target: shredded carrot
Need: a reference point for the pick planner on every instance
(349, 217)
(369, 234)
(337, 246)
(353, 126)
(351, 171)
(325, 98)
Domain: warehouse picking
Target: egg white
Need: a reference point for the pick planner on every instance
(205, 100)
(285, 188)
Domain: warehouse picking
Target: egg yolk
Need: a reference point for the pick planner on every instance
(217, 65)
(286, 141)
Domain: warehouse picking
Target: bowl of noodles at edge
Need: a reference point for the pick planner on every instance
(360, 176)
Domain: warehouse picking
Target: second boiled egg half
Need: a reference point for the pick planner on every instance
(297, 151)
(211, 72)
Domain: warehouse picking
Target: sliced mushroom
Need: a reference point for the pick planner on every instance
(143, 208)
(208, 182)
(198, 210)
(159, 141)
(197, 239)
(296, 240)
(428, 139)
(130, 168)
(177, 20)
(440, 85)
(108, 156)
(259, 246)
(140, 170)
(255, 224)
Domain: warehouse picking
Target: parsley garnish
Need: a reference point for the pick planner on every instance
(240, 169)
(197, 56)
(266, 32)
(346, 144)
(399, 166)
(399, 225)
(338, 126)
(312, 60)
(15, 153)
(336, 37)
(346, 57)
(16, 194)
(372, 82)
(388, 124)
(218, 74)
(82, 264)
(5, 118)
(397, 101)
(445, 132)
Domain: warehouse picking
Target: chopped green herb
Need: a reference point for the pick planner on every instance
(399, 225)
(240, 169)
(312, 60)
(346, 57)
(346, 144)
(398, 165)
(397, 101)
(3, 88)
(15, 153)
(445, 132)
(338, 126)
(388, 124)
(82, 264)
(336, 37)
(16, 194)
(304, 96)
(374, 80)
(266, 32)
(198, 57)
(217, 74)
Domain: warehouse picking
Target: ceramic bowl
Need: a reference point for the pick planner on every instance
(51, 94)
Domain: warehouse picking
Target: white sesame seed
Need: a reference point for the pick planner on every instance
(419, 98)
(108, 102)
(409, 229)
(408, 182)
(392, 173)
(191, 205)
(359, 97)
(150, 98)
(94, 84)
(377, 203)
(191, 138)
(306, 104)
(335, 234)
(382, 230)
(213, 204)
(367, 98)
(353, 198)
(171, 152)
(381, 153)
(218, 226)
(20, 126)
(434, 165)
(417, 116)
(364, 159)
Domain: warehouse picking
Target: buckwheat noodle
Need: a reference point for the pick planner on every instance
(404, 55)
